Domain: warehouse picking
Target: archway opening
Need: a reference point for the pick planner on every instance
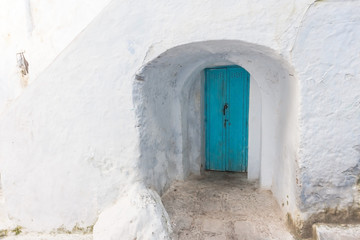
(169, 93)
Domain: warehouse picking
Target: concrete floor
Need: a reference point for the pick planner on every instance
(223, 206)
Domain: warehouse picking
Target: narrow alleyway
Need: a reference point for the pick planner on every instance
(223, 206)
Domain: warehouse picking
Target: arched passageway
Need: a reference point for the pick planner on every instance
(168, 96)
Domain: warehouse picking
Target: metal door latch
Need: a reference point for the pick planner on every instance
(225, 107)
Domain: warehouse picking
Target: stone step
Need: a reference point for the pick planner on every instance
(336, 231)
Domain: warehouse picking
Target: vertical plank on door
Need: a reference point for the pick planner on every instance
(237, 128)
(215, 93)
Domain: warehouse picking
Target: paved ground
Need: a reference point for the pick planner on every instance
(223, 206)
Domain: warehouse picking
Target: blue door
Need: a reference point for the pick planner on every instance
(226, 118)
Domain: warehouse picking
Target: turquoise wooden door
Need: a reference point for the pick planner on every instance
(226, 118)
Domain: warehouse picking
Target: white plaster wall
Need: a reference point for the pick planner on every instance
(72, 136)
(70, 143)
(326, 57)
(254, 148)
(42, 29)
(195, 133)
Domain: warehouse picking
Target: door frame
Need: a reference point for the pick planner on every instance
(226, 138)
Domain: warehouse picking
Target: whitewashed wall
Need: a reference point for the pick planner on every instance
(70, 145)
(326, 56)
(40, 29)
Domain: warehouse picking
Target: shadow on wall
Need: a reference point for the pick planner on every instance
(168, 96)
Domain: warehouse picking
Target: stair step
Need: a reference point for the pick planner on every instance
(336, 231)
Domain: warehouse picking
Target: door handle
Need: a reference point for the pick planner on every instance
(224, 108)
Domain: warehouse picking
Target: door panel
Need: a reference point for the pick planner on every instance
(237, 128)
(215, 135)
(226, 118)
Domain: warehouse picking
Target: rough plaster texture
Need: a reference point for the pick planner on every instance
(106, 115)
(336, 232)
(40, 29)
(328, 69)
(135, 210)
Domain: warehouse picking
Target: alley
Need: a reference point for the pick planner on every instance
(223, 206)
